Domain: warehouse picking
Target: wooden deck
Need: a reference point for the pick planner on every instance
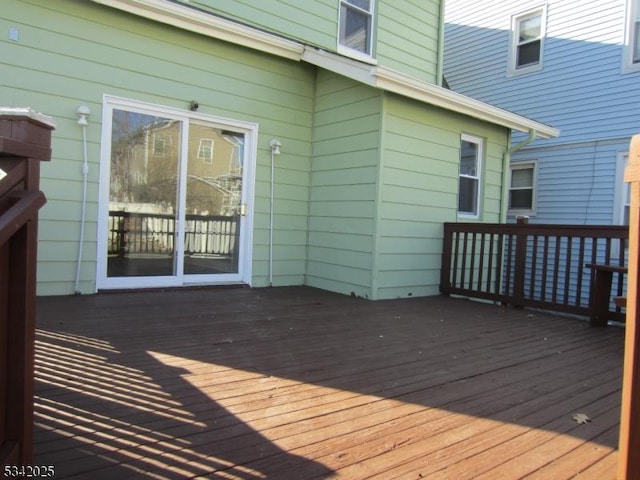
(297, 383)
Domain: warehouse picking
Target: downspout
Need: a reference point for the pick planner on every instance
(275, 150)
(83, 114)
(440, 59)
(505, 171)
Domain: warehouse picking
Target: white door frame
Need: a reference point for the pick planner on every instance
(250, 131)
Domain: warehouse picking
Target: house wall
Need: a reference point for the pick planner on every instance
(418, 192)
(586, 99)
(344, 175)
(405, 38)
(582, 89)
(70, 53)
(577, 183)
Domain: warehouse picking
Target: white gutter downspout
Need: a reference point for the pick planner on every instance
(505, 171)
(275, 150)
(83, 114)
(440, 59)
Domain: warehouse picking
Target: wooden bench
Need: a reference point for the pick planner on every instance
(600, 297)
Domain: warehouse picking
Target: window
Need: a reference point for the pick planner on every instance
(159, 146)
(521, 187)
(632, 37)
(527, 38)
(622, 192)
(205, 150)
(470, 170)
(356, 20)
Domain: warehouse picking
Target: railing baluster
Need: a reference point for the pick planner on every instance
(534, 264)
(481, 266)
(580, 267)
(567, 271)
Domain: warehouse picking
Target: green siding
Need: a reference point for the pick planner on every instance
(407, 36)
(71, 53)
(313, 22)
(418, 192)
(343, 186)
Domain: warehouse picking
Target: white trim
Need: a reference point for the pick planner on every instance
(350, 52)
(479, 142)
(380, 77)
(620, 188)
(512, 70)
(250, 130)
(450, 100)
(632, 11)
(522, 165)
(188, 18)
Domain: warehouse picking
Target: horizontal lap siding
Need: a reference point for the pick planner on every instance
(575, 183)
(419, 186)
(586, 99)
(72, 53)
(312, 22)
(407, 36)
(343, 186)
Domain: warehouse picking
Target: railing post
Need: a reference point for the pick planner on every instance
(25, 141)
(445, 269)
(520, 263)
(629, 444)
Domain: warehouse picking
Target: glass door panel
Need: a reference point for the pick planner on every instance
(143, 190)
(213, 206)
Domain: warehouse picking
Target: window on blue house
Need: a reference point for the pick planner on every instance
(527, 40)
(356, 27)
(470, 176)
(632, 37)
(522, 188)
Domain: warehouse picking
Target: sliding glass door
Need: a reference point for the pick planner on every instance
(174, 199)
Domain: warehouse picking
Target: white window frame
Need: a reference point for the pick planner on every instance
(514, 42)
(621, 189)
(250, 130)
(350, 52)
(523, 165)
(478, 177)
(201, 149)
(632, 25)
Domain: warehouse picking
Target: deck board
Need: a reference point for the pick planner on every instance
(260, 383)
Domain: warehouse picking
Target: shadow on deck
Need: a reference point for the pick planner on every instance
(301, 383)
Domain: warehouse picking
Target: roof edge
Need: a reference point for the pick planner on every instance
(191, 19)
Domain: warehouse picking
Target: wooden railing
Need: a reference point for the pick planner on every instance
(25, 140)
(132, 232)
(541, 266)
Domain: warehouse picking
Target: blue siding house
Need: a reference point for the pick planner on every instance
(574, 64)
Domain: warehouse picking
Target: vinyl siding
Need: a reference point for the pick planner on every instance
(313, 22)
(343, 186)
(71, 53)
(576, 184)
(405, 31)
(586, 99)
(418, 192)
(407, 37)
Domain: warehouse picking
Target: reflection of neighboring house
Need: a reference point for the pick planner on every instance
(574, 64)
(214, 169)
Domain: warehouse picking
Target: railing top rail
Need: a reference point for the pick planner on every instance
(601, 231)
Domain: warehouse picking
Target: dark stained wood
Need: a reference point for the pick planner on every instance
(296, 382)
(544, 266)
(601, 297)
(24, 142)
